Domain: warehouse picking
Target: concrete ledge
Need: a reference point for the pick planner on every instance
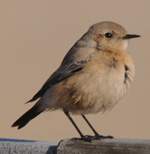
(69, 146)
(105, 146)
(12, 146)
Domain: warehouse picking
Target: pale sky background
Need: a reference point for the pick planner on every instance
(35, 35)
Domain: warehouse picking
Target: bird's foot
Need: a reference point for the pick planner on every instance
(86, 138)
(99, 137)
(89, 138)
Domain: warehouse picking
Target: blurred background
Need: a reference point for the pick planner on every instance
(35, 35)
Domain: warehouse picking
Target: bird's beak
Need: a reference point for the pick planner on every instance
(130, 36)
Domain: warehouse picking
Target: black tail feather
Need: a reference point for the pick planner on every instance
(25, 118)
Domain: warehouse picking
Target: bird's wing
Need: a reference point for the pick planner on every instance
(61, 74)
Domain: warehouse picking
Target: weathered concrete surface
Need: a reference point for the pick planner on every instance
(70, 146)
(12, 146)
(105, 146)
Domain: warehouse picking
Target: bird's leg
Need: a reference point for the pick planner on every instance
(74, 124)
(97, 135)
(94, 131)
(83, 137)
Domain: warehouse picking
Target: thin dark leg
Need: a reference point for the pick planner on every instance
(95, 132)
(74, 124)
(97, 136)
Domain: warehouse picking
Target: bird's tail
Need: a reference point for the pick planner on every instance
(29, 115)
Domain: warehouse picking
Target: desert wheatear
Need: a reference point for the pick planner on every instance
(93, 76)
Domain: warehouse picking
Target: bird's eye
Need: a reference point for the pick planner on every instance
(108, 35)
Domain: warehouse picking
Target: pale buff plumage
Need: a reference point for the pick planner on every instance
(102, 82)
(94, 75)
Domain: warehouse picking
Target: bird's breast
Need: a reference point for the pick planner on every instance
(101, 87)
(103, 82)
(98, 87)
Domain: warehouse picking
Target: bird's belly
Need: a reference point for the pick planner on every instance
(90, 92)
(97, 92)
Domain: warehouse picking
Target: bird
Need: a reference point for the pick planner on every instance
(93, 76)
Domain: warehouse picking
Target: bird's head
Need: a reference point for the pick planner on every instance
(110, 35)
